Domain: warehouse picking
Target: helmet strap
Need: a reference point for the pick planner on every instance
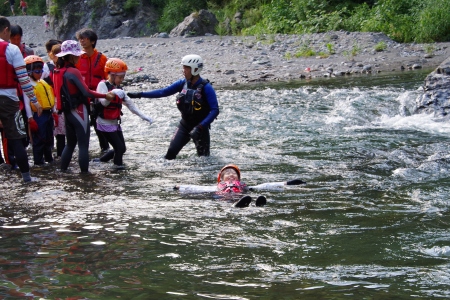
(194, 79)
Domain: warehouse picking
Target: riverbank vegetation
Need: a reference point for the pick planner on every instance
(421, 21)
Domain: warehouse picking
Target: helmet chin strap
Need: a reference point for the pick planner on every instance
(194, 77)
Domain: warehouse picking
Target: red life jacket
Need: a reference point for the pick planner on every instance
(230, 187)
(114, 109)
(8, 77)
(57, 78)
(92, 70)
(65, 101)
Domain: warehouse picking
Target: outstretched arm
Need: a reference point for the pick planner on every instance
(275, 186)
(195, 189)
(164, 92)
(133, 108)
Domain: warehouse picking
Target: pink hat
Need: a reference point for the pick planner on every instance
(70, 47)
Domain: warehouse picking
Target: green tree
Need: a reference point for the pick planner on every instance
(433, 21)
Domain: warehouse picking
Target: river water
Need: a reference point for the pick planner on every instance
(371, 222)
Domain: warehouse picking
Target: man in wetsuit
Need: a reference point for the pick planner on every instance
(197, 102)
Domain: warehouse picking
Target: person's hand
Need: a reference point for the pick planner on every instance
(120, 93)
(55, 119)
(134, 94)
(196, 133)
(148, 119)
(32, 125)
(38, 108)
(110, 96)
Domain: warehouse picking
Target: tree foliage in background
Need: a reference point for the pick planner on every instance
(402, 20)
(420, 21)
(35, 8)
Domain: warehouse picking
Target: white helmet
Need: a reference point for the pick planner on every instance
(195, 62)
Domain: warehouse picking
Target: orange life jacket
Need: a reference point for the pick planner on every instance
(92, 69)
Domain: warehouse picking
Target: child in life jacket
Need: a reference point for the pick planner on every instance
(229, 185)
(40, 127)
(108, 113)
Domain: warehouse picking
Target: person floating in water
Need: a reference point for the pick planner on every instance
(229, 185)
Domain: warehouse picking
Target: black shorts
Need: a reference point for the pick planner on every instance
(11, 118)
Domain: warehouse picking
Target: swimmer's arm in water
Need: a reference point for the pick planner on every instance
(271, 186)
(195, 189)
(275, 186)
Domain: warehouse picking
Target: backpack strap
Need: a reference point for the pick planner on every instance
(97, 59)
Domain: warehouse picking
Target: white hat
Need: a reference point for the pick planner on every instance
(70, 47)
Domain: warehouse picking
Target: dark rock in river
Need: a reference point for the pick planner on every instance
(436, 96)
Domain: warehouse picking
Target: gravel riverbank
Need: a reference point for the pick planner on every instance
(239, 60)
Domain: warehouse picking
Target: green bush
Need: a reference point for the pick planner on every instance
(433, 22)
(380, 46)
(131, 5)
(402, 20)
(35, 8)
(422, 21)
(305, 51)
(330, 49)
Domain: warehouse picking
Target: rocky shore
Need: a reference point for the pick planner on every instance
(239, 60)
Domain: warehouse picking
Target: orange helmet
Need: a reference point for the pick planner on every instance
(230, 166)
(115, 65)
(32, 59)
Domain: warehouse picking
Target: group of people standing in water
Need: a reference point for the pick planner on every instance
(80, 87)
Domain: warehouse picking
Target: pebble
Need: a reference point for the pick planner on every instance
(244, 57)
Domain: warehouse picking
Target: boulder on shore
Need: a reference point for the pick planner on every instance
(196, 24)
(436, 96)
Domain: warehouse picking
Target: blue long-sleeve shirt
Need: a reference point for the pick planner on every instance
(178, 85)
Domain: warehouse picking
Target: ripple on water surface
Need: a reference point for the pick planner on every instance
(372, 219)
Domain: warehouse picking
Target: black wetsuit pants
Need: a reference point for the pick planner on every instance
(77, 132)
(182, 137)
(117, 141)
(102, 140)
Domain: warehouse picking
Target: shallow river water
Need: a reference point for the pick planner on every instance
(371, 222)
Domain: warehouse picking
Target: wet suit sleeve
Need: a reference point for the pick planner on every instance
(170, 90)
(276, 186)
(269, 186)
(73, 76)
(133, 108)
(196, 189)
(211, 97)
